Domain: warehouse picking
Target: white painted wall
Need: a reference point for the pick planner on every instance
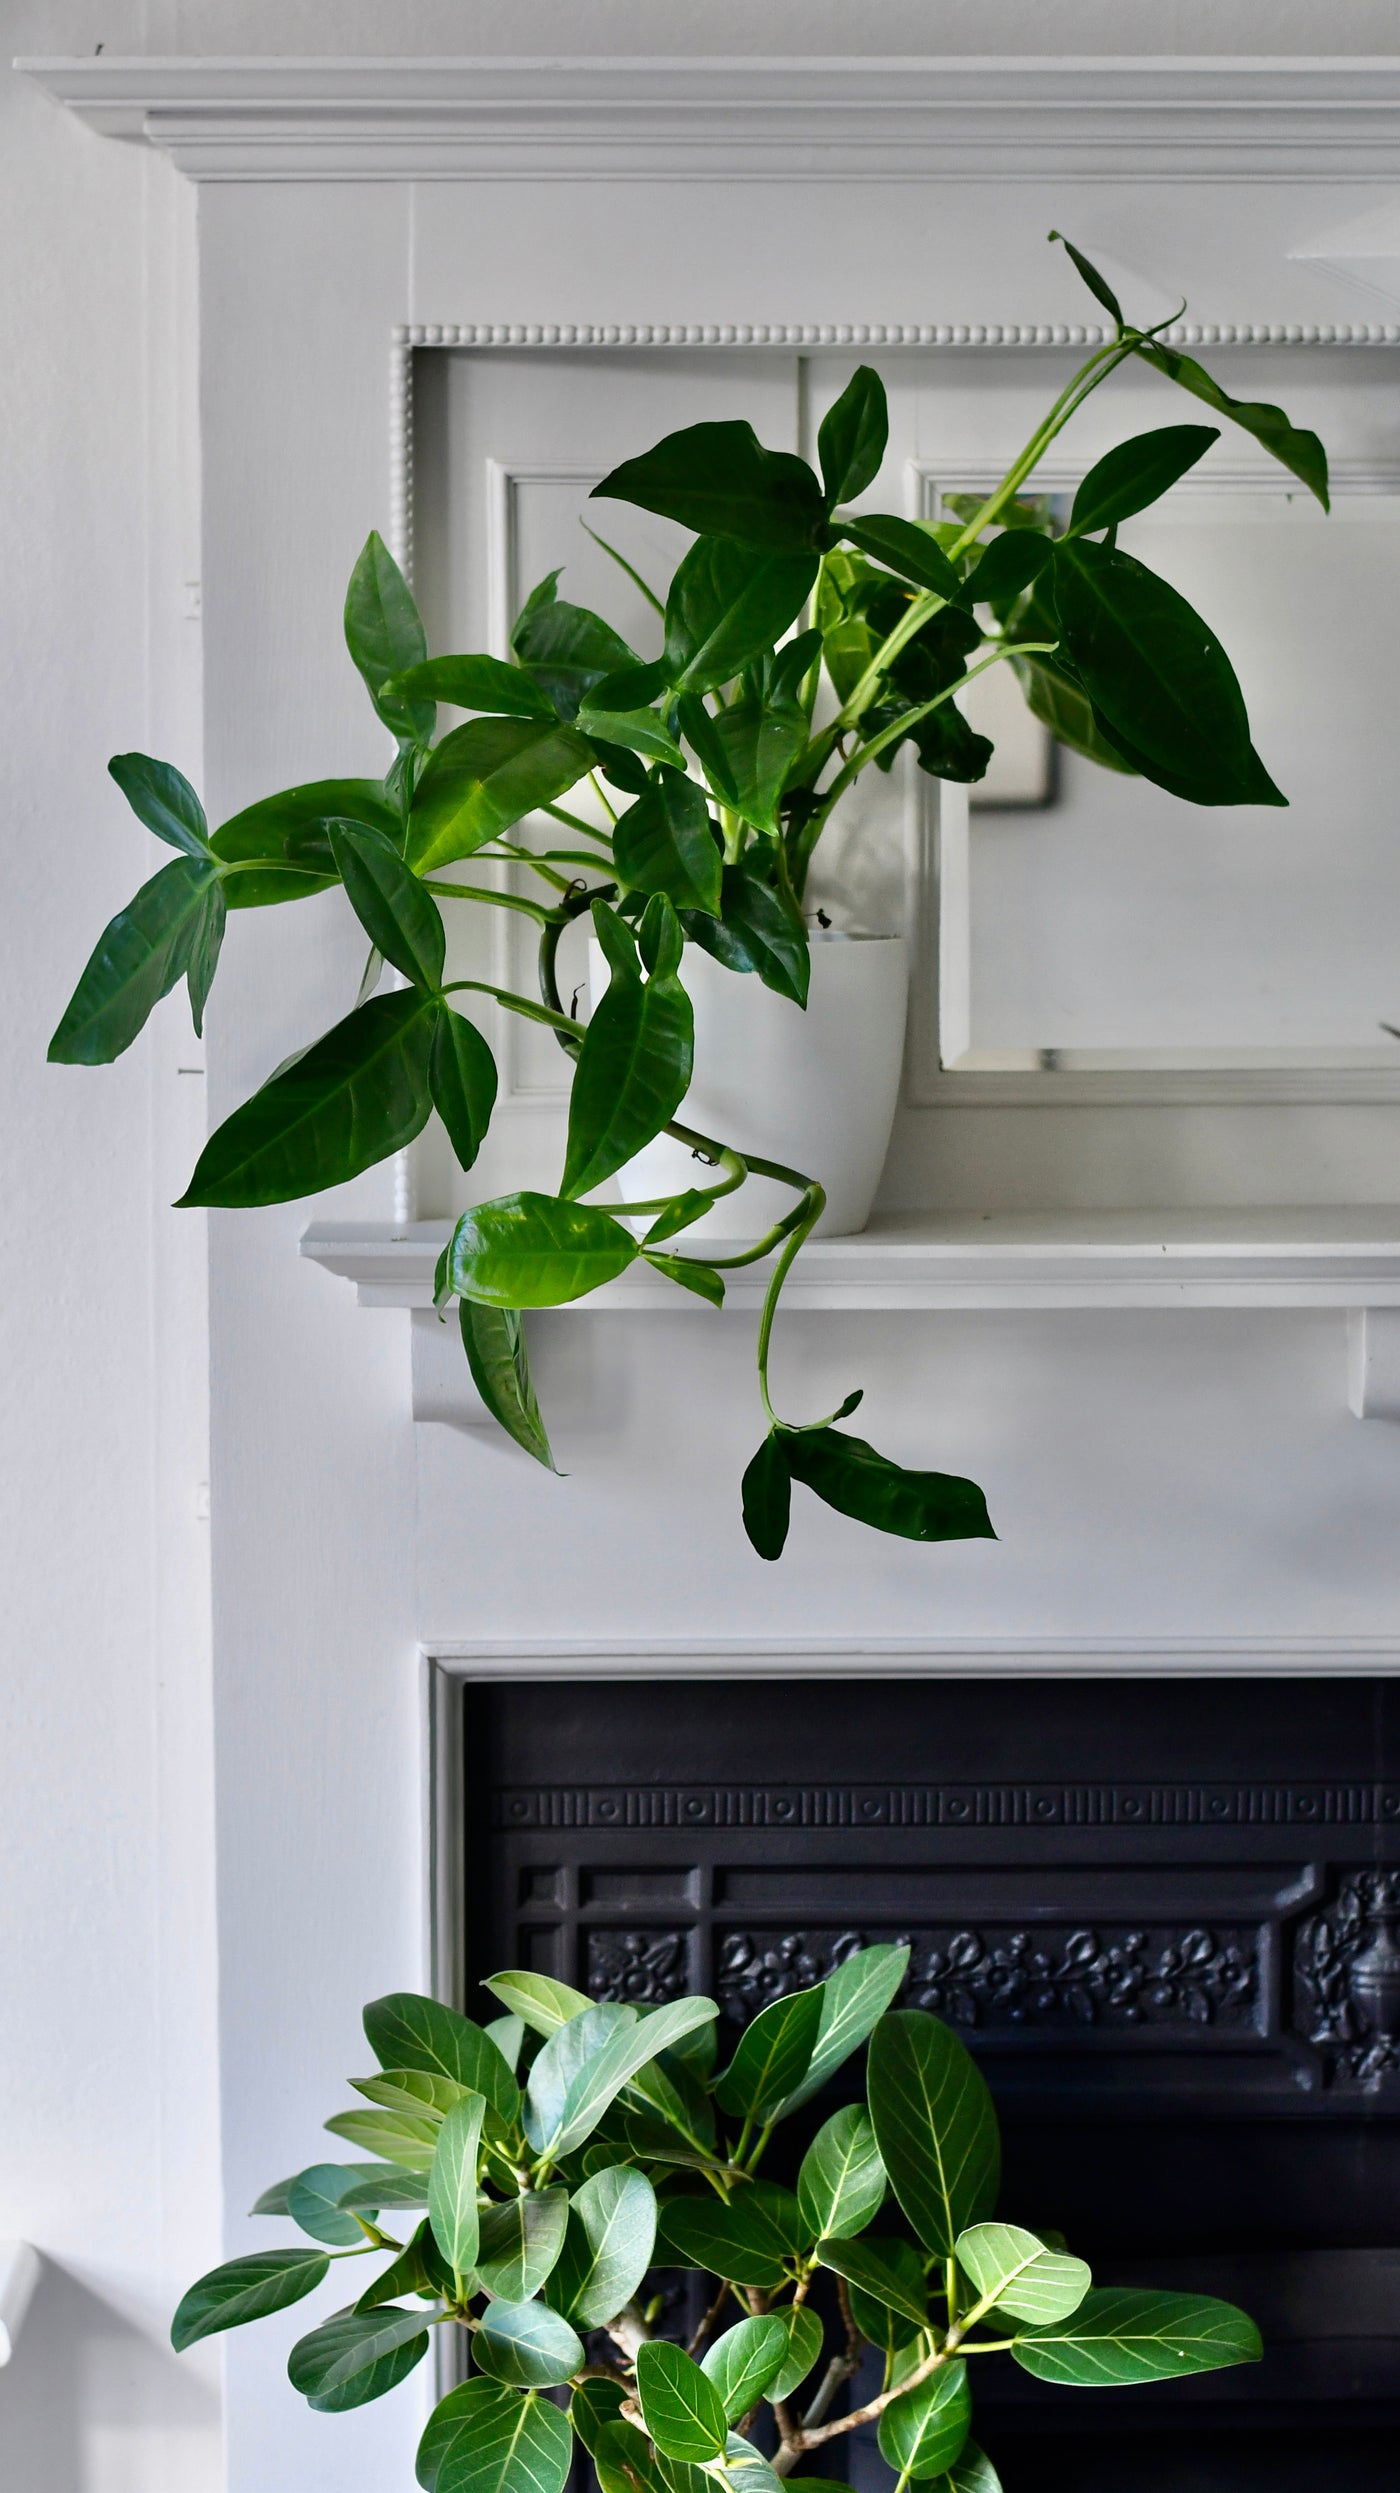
(1179, 1475)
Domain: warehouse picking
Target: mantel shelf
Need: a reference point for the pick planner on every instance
(915, 1264)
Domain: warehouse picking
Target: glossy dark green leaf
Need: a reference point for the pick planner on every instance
(1060, 702)
(531, 1250)
(841, 2185)
(702, 735)
(205, 947)
(138, 958)
(401, 919)
(608, 2247)
(752, 2239)
(356, 1095)
(568, 649)
(633, 1071)
(498, 1357)
(1157, 677)
(406, 2030)
(161, 797)
(314, 2201)
(922, 2434)
(934, 2125)
(761, 741)
(689, 1273)
(384, 635)
(805, 2338)
(919, 1506)
(756, 931)
(682, 2409)
(884, 2272)
(1008, 565)
(1136, 473)
(405, 2138)
(1300, 451)
(855, 1993)
(485, 777)
(665, 843)
(772, 2056)
(356, 2356)
(744, 2363)
(462, 1080)
(245, 2289)
(619, 711)
(282, 845)
(727, 604)
(1098, 286)
(906, 548)
(453, 2211)
(719, 480)
(483, 2438)
(595, 2404)
(1016, 2271)
(474, 683)
(526, 2344)
(521, 2240)
(419, 2269)
(766, 1492)
(853, 437)
(1119, 2336)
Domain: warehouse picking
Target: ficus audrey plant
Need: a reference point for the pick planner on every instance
(530, 2183)
(710, 770)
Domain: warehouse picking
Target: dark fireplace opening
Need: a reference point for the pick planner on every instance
(1165, 1915)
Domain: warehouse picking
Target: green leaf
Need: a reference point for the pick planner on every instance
(452, 2202)
(766, 1493)
(462, 1081)
(745, 2362)
(405, 2030)
(934, 2125)
(507, 2033)
(1020, 2275)
(498, 1357)
(418, 2269)
(401, 919)
(527, 2344)
(972, 2472)
(387, 2185)
(355, 1096)
(1119, 2336)
(841, 2185)
(719, 480)
(530, 1250)
(356, 2356)
(520, 2244)
(665, 843)
(612, 2229)
(473, 683)
(245, 2289)
(594, 2406)
(1301, 452)
(689, 1273)
(855, 1994)
(761, 740)
(752, 2240)
(906, 548)
(625, 2462)
(804, 2335)
(139, 956)
(384, 635)
(883, 2272)
(772, 2057)
(161, 797)
(756, 931)
(282, 845)
(204, 952)
(1158, 678)
(701, 732)
(619, 710)
(633, 1069)
(542, 2002)
(314, 2201)
(482, 2438)
(727, 604)
(1009, 564)
(1098, 286)
(1137, 472)
(483, 778)
(746, 2470)
(405, 2138)
(568, 649)
(681, 2407)
(566, 2051)
(848, 1474)
(853, 437)
(1062, 705)
(627, 2049)
(923, 2434)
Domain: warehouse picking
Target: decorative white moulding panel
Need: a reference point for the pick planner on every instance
(1276, 1259)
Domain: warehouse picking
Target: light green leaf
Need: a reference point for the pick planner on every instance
(498, 1357)
(934, 2125)
(452, 2184)
(744, 2363)
(356, 2356)
(772, 2058)
(405, 2030)
(612, 2230)
(384, 635)
(315, 2202)
(804, 2334)
(483, 778)
(245, 2289)
(841, 2185)
(520, 2243)
(161, 797)
(530, 1250)
(526, 2344)
(681, 2408)
(142, 952)
(483, 2438)
(628, 2049)
(855, 1994)
(1119, 2336)
(350, 1099)
(401, 919)
(922, 2434)
(746, 2469)
(1014, 2270)
(507, 2033)
(542, 2002)
(405, 2138)
(566, 2051)
(884, 2272)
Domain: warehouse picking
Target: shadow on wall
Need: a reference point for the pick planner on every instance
(89, 2405)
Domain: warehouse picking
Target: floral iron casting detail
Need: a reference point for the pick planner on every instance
(1346, 1968)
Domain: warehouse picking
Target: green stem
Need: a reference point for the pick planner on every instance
(499, 900)
(900, 727)
(810, 1211)
(602, 795)
(590, 830)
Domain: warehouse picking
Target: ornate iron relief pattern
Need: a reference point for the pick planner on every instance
(949, 1805)
(1346, 1979)
(645, 1966)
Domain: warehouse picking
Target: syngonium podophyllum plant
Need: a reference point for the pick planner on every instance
(712, 767)
(571, 2153)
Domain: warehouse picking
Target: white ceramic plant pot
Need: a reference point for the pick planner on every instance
(816, 1090)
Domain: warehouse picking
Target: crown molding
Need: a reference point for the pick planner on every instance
(720, 120)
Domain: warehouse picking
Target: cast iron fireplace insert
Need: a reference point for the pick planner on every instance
(1164, 1916)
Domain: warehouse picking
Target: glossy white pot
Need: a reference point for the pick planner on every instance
(816, 1090)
